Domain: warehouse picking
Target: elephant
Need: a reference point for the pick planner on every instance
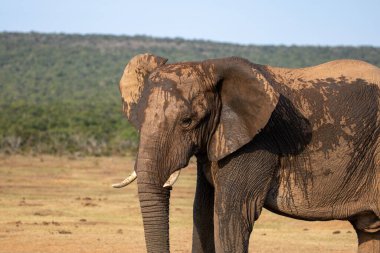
(302, 143)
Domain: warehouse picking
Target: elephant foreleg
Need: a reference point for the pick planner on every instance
(232, 228)
(203, 229)
(241, 186)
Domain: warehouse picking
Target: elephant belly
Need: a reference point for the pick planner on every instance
(317, 189)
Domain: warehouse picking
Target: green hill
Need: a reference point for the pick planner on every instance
(59, 93)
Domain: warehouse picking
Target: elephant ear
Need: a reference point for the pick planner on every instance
(132, 83)
(247, 102)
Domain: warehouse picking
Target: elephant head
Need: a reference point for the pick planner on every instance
(208, 109)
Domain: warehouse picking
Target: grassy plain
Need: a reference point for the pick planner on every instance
(62, 204)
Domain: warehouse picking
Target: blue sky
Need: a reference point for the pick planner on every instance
(299, 22)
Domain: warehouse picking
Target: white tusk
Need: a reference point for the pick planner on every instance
(126, 181)
(172, 179)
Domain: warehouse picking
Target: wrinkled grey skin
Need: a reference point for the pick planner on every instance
(302, 143)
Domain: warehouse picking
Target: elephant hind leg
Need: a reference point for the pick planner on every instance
(368, 242)
(367, 228)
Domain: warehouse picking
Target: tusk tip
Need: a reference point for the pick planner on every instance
(172, 179)
(126, 181)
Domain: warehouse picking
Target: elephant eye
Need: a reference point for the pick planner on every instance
(186, 122)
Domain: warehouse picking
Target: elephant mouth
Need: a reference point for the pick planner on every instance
(132, 177)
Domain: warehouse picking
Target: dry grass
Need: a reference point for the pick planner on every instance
(52, 204)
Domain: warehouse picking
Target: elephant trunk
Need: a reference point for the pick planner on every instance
(154, 199)
(154, 202)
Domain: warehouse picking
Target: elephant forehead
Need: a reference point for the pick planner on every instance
(186, 79)
(163, 106)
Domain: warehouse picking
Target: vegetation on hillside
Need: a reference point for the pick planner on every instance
(59, 93)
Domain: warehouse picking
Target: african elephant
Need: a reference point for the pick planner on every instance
(302, 143)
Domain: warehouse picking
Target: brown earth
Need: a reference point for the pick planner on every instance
(63, 204)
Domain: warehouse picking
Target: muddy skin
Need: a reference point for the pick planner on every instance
(303, 143)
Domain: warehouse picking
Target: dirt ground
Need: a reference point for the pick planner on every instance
(63, 204)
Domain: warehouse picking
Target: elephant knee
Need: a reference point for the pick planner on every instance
(240, 213)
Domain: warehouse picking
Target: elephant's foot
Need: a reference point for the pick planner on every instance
(368, 242)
